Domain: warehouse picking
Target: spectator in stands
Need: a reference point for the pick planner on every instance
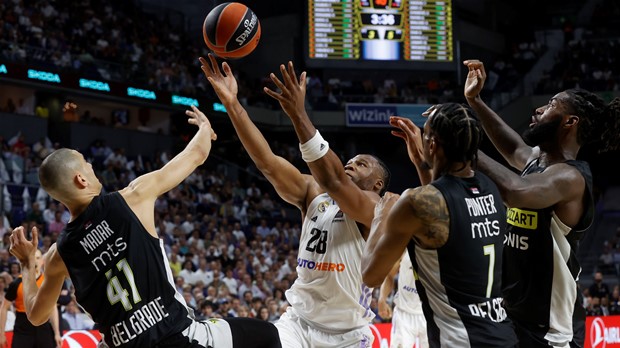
(57, 225)
(5, 226)
(10, 106)
(76, 319)
(599, 288)
(5, 263)
(594, 309)
(614, 301)
(606, 260)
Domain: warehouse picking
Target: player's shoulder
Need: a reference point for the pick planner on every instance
(422, 194)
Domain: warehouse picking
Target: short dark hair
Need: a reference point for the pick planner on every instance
(386, 175)
(52, 168)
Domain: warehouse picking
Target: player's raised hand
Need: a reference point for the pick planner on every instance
(23, 249)
(196, 117)
(411, 134)
(292, 95)
(224, 84)
(475, 78)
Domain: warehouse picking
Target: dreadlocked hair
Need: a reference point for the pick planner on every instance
(459, 132)
(599, 123)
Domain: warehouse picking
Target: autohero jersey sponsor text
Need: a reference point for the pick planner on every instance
(321, 266)
(483, 206)
(524, 219)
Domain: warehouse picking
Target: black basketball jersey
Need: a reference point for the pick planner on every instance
(121, 275)
(540, 263)
(459, 283)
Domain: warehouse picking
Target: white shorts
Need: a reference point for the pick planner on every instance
(296, 333)
(408, 330)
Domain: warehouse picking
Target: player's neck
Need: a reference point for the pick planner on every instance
(80, 203)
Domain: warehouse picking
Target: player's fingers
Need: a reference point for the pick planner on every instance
(227, 70)
(291, 72)
(302, 80)
(214, 66)
(274, 95)
(277, 81)
(35, 236)
(286, 76)
(205, 66)
(399, 134)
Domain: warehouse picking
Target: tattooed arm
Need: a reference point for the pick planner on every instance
(421, 214)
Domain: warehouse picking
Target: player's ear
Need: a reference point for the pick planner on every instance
(572, 120)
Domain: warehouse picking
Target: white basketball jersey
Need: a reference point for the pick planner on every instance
(407, 298)
(329, 292)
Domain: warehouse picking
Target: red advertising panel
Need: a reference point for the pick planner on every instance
(71, 339)
(382, 335)
(603, 332)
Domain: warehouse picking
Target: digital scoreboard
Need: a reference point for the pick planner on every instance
(371, 33)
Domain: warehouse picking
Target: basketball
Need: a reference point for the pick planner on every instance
(231, 30)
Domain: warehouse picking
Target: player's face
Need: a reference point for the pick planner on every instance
(363, 169)
(546, 121)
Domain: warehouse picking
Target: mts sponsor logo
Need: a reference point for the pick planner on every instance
(604, 332)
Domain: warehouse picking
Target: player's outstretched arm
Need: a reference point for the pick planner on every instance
(507, 141)
(420, 214)
(152, 185)
(558, 183)
(325, 166)
(40, 302)
(293, 186)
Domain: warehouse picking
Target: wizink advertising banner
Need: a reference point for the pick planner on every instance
(378, 115)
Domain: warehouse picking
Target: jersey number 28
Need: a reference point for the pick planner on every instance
(318, 241)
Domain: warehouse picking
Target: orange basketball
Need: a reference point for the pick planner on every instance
(231, 30)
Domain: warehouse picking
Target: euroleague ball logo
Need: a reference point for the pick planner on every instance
(597, 333)
(80, 339)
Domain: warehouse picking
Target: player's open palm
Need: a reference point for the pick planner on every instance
(292, 96)
(224, 83)
(475, 78)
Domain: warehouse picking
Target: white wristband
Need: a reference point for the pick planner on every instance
(314, 148)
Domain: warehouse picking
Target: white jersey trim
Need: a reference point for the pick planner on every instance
(563, 286)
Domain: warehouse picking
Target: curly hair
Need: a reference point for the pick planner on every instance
(599, 123)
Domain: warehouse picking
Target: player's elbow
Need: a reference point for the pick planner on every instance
(370, 277)
(37, 320)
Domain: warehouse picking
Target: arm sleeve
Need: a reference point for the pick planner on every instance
(11, 292)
